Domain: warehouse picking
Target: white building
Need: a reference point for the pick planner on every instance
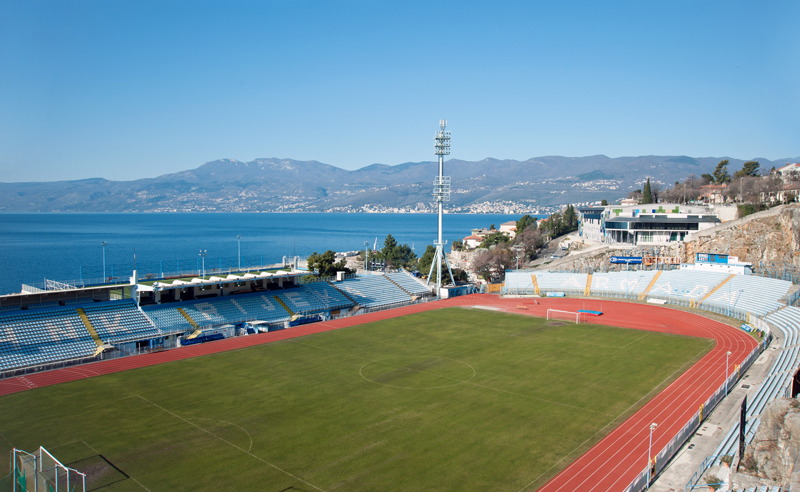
(649, 224)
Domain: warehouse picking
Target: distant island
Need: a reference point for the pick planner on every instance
(538, 185)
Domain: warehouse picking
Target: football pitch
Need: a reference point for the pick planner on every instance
(450, 399)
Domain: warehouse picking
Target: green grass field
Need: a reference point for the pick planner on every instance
(452, 399)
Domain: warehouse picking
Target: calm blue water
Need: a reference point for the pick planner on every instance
(67, 247)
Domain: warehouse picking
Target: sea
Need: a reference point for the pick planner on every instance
(84, 249)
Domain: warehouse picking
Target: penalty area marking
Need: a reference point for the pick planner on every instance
(228, 442)
(250, 447)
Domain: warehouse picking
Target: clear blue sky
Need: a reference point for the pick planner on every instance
(129, 89)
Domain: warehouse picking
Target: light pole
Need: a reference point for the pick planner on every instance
(649, 451)
(727, 356)
(518, 252)
(203, 260)
(239, 251)
(103, 244)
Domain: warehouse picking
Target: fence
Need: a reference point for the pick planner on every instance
(153, 274)
(663, 457)
(21, 371)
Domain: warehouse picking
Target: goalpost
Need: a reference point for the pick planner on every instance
(41, 471)
(564, 315)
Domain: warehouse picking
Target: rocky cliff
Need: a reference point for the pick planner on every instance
(773, 457)
(771, 237)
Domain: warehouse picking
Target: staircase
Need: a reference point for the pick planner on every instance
(643, 295)
(91, 330)
(197, 329)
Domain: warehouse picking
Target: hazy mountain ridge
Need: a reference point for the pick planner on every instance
(281, 185)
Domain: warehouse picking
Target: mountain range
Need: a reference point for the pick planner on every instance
(285, 185)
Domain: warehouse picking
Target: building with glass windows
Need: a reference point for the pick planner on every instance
(650, 224)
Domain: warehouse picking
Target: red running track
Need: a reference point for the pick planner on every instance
(611, 464)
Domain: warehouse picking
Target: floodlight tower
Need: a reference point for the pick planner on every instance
(441, 192)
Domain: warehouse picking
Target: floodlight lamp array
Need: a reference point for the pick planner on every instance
(441, 188)
(442, 139)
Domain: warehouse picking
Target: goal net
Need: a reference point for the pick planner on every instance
(41, 471)
(559, 314)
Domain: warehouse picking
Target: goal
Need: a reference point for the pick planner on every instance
(564, 315)
(40, 470)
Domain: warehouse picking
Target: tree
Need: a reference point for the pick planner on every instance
(530, 241)
(570, 220)
(635, 195)
(491, 264)
(325, 264)
(647, 193)
(749, 168)
(604, 203)
(720, 174)
(493, 239)
(425, 262)
(397, 255)
(524, 222)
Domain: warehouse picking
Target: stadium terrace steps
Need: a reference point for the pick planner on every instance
(715, 289)
(89, 327)
(50, 334)
(328, 296)
(787, 322)
(284, 306)
(646, 292)
(197, 329)
(749, 293)
(38, 337)
(627, 283)
(120, 321)
(686, 285)
(408, 284)
(373, 291)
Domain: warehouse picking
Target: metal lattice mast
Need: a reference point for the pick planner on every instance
(441, 193)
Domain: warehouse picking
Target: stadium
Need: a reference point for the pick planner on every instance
(278, 380)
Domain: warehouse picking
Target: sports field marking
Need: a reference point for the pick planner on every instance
(227, 442)
(84, 372)
(614, 422)
(386, 362)
(634, 341)
(96, 451)
(458, 381)
(250, 437)
(488, 308)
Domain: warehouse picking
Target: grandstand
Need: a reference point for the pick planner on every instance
(46, 331)
(374, 291)
(612, 284)
(778, 380)
(36, 338)
(749, 293)
(685, 285)
(761, 301)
